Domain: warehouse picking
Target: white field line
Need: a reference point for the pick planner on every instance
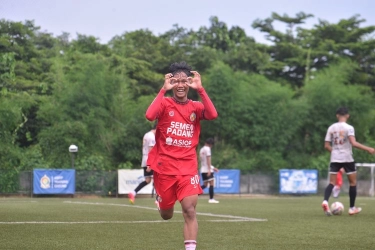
(14, 201)
(104, 222)
(232, 217)
(81, 222)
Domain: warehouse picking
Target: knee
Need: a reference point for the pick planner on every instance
(352, 183)
(189, 212)
(166, 216)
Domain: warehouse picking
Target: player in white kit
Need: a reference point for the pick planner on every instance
(339, 140)
(207, 170)
(148, 143)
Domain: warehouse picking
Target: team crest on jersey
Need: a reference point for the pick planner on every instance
(193, 116)
(171, 113)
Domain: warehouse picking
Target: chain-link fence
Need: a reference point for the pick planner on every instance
(87, 182)
(105, 183)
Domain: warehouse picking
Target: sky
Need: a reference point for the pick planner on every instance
(105, 19)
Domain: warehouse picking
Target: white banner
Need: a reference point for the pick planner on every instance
(128, 180)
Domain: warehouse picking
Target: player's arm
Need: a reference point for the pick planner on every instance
(150, 146)
(327, 146)
(153, 110)
(214, 169)
(358, 145)
(210, 112)
(327, 141)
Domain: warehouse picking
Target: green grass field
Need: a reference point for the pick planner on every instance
(235, 223)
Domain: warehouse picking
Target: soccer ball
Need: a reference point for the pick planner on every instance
(337, 208)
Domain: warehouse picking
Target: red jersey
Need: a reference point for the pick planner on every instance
(177, 133)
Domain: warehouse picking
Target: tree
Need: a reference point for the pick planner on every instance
(299, 52)
(80, 110)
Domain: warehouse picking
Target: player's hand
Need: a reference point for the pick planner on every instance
(216, 170)
(208, 174)
(371, 150)
(195, 82)
(148, 169)
(168, 81)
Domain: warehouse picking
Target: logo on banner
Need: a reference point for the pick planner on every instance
(45, 182)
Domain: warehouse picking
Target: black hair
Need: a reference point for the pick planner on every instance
(210, 141)
(180, 67)
(342, 111)
(154, 126)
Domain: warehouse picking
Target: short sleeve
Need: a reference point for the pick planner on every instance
(151, 143)
(351, 131)
(328, 136)
(208, 151)
(151, 140)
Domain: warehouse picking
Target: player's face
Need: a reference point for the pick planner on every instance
(181, 88)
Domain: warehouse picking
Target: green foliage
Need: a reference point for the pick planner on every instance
(32, 157)
(221, 87)
(328, 91)
(298, 51)
(8, 181)
(92, 162)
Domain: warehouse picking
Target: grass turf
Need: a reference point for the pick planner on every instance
(111, 223)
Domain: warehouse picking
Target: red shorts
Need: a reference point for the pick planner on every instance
(170, 188)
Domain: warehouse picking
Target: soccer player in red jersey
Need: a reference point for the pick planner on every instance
(173, 158)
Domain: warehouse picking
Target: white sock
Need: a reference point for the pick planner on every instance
(190, 244)
(336, 191)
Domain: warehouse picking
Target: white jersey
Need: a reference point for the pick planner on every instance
(338, 134)
(203, 153)
(148, 142)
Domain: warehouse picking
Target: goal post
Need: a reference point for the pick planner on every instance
(371, 166)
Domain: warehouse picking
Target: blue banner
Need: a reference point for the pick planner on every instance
(54, 181)
(227, 181)
(298, 181)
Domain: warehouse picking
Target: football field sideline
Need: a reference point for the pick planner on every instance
(230, 218)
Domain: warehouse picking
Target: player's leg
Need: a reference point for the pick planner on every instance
(333, 169)
(211, 191)
(165, 186)
(188, 190)
(351, 172)
(166, 213)
(188, 205)
(148, 177)
(337, 188)
(205, 180)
